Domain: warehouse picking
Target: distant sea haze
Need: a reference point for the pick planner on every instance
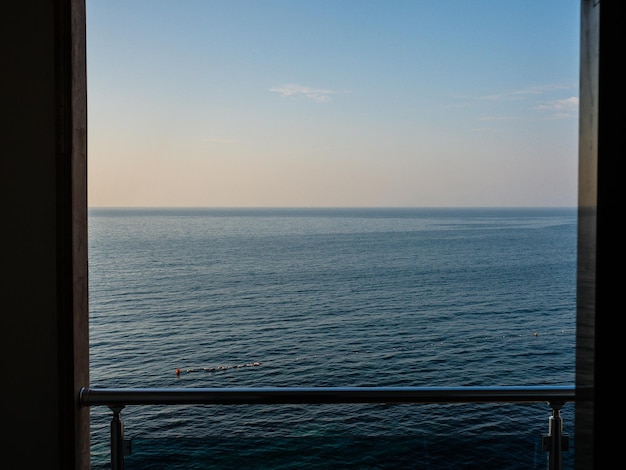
(332, 297)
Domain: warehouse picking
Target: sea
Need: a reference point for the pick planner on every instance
(332, 297)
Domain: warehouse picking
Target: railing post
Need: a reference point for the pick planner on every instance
(555, 442)
(117, 439)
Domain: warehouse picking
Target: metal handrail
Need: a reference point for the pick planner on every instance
(312, 395)
(117, 398)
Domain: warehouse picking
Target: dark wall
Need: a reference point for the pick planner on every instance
(39, 261)
(29, 350)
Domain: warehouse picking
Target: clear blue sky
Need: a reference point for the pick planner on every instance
(342, 103)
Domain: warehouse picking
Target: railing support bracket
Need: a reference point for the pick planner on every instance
(119, 446)
(555, 441)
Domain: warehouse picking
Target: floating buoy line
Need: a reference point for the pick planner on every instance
(393, 350)
(219, 368)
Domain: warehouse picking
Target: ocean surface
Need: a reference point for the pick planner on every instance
(332, 297)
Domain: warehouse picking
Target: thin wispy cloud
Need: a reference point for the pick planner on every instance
(538, 99)
(541, 89)
(559, 109)
(499, 97)
(318, 95)
(526, 92)
(497, 118)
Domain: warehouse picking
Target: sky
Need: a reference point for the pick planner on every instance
(332, 103)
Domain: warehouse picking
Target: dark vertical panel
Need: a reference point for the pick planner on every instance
(71, 210)
(600, 102)
(607, 348)
(80, 284)
(29, 272)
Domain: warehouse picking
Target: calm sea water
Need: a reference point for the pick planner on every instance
(332, 297)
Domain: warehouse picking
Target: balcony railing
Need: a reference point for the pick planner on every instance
(554, 442)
